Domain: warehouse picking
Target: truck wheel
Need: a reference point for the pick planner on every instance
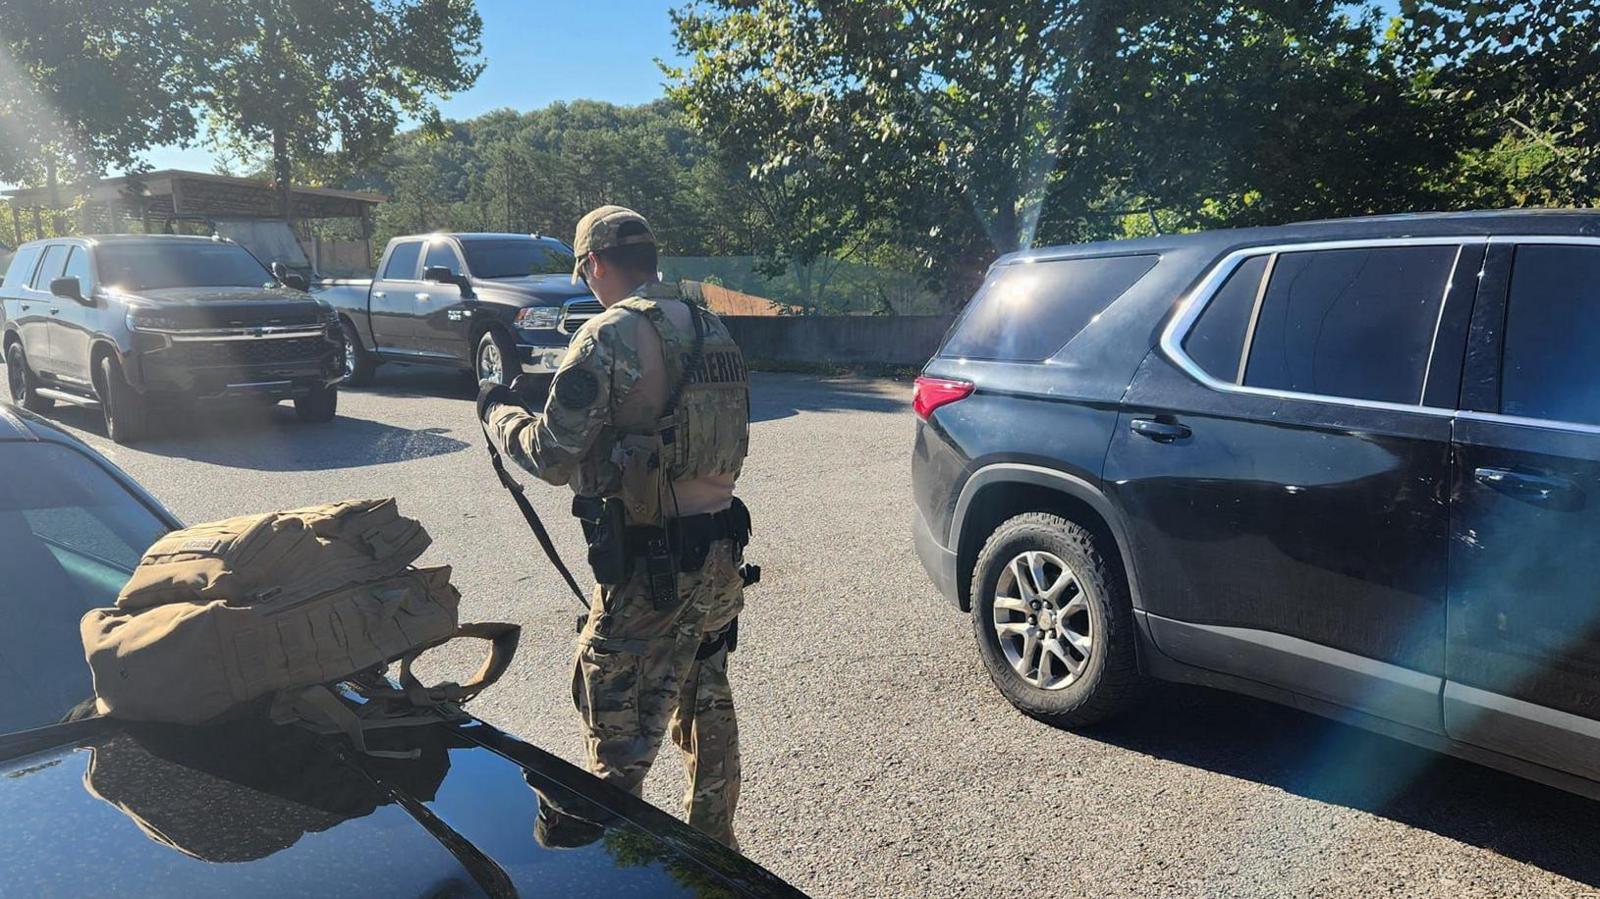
(126, 410)
(1053, 621)
(23, 382)
(319, 405)
(496, 359)
(358, 363)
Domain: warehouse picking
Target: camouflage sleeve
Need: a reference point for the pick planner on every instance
(552, 445)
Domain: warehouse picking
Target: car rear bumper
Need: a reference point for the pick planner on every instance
(937, 560)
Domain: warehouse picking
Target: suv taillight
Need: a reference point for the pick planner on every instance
(929, 394)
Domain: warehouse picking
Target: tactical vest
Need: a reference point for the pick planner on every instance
(704, 430)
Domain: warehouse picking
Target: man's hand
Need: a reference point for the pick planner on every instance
(491, 393)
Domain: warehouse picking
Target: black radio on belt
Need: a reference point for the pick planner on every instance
(660, 570)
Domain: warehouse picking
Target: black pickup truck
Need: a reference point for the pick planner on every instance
(140, 322)
(494, 305)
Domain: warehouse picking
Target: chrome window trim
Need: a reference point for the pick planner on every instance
(1544, 424)
(1194, 303)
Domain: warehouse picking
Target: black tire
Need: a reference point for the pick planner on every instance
(23, 383)
(320, 405)
(359, 364)
(1108, 679)
(506, 351)
(126, 411)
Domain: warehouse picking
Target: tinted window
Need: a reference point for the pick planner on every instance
(1217, 339)
(440, 253)
(20, 273)
(69, 537)
(159, 265)
(1351, 323)
(402, 265)
(517, 258)
(55, 259)
(1028, 311)
(1553, 335)
(78, 267)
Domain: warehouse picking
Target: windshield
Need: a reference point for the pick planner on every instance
(157, 266)
(513, 258)
(70, 535)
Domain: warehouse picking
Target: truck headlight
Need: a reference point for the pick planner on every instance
(539, 318)
(151, 320)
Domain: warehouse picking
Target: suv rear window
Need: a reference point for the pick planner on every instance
(20, 271)
(1355, 323)
(1027, 311)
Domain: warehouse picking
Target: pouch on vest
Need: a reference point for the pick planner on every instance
(639, 457)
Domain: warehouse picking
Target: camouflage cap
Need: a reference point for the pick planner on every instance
(600, 230)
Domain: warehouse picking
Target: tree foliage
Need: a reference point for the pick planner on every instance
(89, 84)
(307, 79)
(983, 128)
(1526, 76)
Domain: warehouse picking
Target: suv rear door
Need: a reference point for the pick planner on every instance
(1282, 461)
(1523, 647)
(38, 324)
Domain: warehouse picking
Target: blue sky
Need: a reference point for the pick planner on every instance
(541, 51)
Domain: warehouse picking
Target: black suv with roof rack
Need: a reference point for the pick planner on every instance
(1341, 465)
(141, 322)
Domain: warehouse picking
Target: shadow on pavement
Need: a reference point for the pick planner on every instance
(398, 380)
(271, 438)
(774, 396)
(1330, 762)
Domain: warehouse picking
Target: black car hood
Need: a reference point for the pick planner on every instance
(253, 809)
(226, 307)
(544, 290)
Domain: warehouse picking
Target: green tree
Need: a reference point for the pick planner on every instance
(964, 130)
(305, 80)
(87, 85)
(1526, 75)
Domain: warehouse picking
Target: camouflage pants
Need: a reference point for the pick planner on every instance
(636, 676)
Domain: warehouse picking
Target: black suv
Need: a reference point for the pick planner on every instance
(138, 322)
(1342, 465)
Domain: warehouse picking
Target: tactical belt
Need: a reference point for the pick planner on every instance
(692, 535)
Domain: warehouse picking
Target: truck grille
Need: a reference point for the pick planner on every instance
(576, 312)
(256, 352)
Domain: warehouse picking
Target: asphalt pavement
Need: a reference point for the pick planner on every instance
(878, 759)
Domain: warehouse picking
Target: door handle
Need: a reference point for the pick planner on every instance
(423, 297)
(1159, 431)
(1531, 487)
(55, 310)
(23, 307)
(378, 294)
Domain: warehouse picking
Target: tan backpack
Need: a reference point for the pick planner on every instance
(283, 604)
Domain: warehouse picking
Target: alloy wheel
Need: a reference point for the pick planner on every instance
(490, 366)
(1041, 617)
(352, 356)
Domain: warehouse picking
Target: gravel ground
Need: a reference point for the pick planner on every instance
(878, 759)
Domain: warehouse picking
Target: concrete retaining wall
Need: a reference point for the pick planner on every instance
(850, 339)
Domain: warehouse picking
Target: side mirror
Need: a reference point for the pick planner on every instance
(69, 289)
(439, 274)
(294, 281)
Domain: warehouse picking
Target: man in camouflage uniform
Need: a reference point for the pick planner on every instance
(651, 405)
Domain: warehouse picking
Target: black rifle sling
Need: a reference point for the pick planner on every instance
(532, 517)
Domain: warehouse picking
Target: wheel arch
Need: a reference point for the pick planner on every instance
(99, 350)
(997, 492)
